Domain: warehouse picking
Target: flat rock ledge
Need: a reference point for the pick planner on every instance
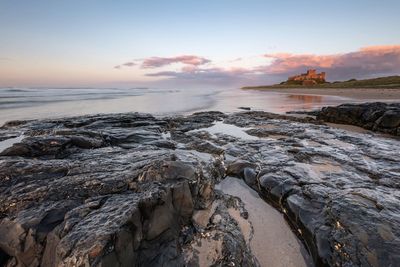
(135, 190)
(379, 117)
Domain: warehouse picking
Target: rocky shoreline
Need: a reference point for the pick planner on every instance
(377, 117)
(136, 190)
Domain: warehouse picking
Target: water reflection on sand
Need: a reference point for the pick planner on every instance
(275, 102)
(309, 101)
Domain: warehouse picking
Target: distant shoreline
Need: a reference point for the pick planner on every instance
(390, 82)
(355, 93)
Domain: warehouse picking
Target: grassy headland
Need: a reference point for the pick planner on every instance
(390, 82)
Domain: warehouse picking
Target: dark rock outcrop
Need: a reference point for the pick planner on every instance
(108, 190)
(338, 190)
(380, 117)
(135, 190)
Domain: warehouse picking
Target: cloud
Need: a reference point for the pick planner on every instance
(366, 62)
(127, 64)
(156, 62)
(212, 76)
(210, 72)
(190, 62)
(372, 61)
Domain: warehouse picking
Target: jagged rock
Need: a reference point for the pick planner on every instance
(381, 117)
(220, 241)
(103, 190)
(112, 190)
(335, 188)
(237, 168)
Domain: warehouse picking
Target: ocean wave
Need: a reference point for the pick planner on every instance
(11, 97)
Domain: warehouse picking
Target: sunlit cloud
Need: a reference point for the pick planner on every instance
(368, 61)
(156, 62)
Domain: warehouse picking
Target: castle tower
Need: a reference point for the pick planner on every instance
(311, 73)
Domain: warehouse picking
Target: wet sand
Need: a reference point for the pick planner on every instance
(356, 93)
(273, 242)
(356, 129)
(351, 128)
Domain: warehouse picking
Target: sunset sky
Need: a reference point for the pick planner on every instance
(194, 43)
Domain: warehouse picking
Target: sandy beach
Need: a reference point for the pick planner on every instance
(361, 94)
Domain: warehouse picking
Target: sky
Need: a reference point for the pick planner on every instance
(217, 43)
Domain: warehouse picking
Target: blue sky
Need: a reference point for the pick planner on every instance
(80, 42)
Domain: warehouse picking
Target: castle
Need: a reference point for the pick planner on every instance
(309, 78)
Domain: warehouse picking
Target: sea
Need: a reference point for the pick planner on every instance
(38, 103)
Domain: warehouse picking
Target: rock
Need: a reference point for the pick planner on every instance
(102, 191)
(331, 186)
(237, 168)
(169, 170)
(110, 190)
(206, 146)
(196, 120)
(221, 241)
(54, 146)
(380, 117)
(304, 112)
(72, 203)
(183, 201)
(390, 119)
(250, 176)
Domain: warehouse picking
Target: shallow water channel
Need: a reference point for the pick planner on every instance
(273, 242)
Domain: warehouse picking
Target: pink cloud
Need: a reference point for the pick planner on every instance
(285, 62)
(189, 68)
(366, 62)
(380, 48)
(156, 62)
(373, 60)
